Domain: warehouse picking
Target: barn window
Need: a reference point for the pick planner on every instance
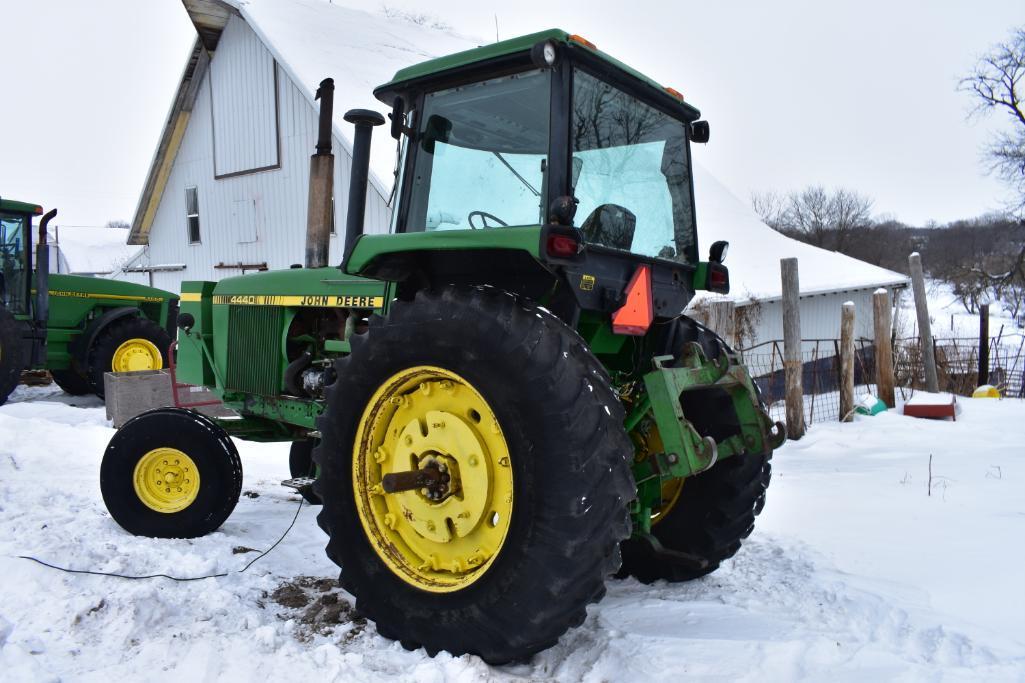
(192, 213)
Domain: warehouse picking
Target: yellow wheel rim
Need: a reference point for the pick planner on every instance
(135, 355)
(166, 480)
(648, 440)
(438, 539)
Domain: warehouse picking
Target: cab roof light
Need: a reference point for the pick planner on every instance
(582, 41)
(675, 93)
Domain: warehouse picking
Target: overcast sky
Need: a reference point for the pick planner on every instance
(855, 94)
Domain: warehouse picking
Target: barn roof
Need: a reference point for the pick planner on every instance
(313, 39)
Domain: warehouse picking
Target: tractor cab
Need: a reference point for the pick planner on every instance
(15, 250)
(545, 130)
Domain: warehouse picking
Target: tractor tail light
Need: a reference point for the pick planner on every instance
(562, 246)
(718, 278)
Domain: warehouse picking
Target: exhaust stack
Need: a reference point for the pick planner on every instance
(319, 212)
(42, 311)
(364, 120)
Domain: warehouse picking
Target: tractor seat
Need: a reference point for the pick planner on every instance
(610, 225)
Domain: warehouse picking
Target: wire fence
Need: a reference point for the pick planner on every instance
(957, 366)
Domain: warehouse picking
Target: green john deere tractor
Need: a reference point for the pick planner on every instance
(76, 327)
(500, 403)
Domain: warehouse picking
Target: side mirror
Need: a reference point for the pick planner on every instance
(717, 252)
(398, 113)
(699, 131)
(438, 129)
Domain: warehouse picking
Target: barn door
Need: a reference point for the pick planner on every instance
(243, 220)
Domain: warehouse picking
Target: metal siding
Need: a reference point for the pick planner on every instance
(244, 106)
(820, 317)
(279, 198)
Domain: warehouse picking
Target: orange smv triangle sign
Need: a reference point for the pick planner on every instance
(636, 314)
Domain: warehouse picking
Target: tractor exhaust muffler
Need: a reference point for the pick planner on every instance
(42, 312)
(319, 213)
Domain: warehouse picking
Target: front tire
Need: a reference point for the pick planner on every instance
(520, 412)
(170, 473)
(300, 464)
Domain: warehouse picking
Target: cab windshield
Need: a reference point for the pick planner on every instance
(13, 263)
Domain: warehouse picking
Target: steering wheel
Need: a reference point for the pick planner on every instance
(484, 217)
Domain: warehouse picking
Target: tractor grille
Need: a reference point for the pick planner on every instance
(254, 349)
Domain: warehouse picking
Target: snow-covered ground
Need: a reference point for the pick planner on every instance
(854, 572)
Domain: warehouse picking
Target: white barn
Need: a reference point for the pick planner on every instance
(227, 189)
(226, 192)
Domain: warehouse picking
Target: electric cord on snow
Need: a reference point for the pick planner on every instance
(168, 576)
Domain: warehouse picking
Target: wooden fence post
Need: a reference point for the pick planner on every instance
(792, 364)
(722, 320)
(983, 344)
(884, 348)
(924, 328)
(847, 362)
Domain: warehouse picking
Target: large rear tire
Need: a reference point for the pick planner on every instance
(170, 473)
(127, 345)
(12, 354)
(510, 403)
(707, 515)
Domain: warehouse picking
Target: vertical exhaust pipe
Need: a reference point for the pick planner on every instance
(364, 120)
(322, 178)
(42, 312)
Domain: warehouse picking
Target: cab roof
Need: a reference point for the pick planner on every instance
(409, 76)
(19, 207)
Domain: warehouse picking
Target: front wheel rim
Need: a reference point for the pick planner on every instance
(446, 537)
(166, 480)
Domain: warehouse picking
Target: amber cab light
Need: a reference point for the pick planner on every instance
(583, 41)
(675, 93)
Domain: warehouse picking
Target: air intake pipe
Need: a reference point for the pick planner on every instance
(319, 213)
(42, 311)
(364, 120)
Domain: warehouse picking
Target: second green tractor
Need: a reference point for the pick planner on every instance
(500, 403)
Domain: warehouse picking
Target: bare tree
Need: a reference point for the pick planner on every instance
(849, 211)
(815, 215)
(122, 225)
(996, 84)
(771, 206)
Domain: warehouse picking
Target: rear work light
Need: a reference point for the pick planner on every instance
(562, 246)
